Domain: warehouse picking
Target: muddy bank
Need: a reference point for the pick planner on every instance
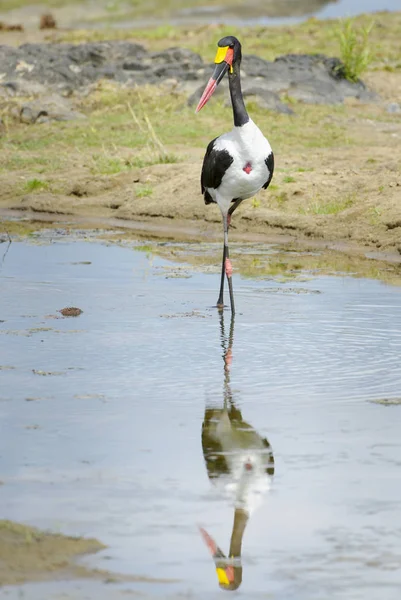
(84, 134)
(28, 554)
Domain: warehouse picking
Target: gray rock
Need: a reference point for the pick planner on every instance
(266, 99)
(53, 108)
(393, 107)
(66, 68)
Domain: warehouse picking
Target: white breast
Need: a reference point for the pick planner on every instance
(242, 487)
(246, 145)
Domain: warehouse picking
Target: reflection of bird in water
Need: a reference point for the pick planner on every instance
(240, 463)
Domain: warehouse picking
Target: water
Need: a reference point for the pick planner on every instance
(108, 443)
(349, 8)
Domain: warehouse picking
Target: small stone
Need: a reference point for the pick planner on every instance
(393, 107)
(13, 27)
(47, 21)
(71, 311)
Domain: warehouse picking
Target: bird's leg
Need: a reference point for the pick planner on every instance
(232, 208)
(227, 264)
(220, 301)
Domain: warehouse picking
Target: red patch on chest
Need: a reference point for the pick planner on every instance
(247, 168)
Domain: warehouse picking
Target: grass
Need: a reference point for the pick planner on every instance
(141, 191)
(107, 165)
(288, 179)
(279, 198)
(355, 49)
(141, 125)
(34, 185)
(317, 207)
(311, 36)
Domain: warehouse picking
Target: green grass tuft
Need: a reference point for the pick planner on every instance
(327, 208)
(143, 190)
(33, 185)
(355, 51)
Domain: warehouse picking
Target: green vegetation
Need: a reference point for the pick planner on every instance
(318, 207)
(355, 51)
(311, 36)
(142, 191)
(280, 198)
(288, 179)
(33, 185)
(143, 136)
(107, 165)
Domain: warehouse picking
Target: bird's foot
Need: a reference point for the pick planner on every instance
(228, 267)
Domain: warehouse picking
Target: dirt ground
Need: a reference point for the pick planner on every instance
(28, 555)
(343, 196)
(337, 180)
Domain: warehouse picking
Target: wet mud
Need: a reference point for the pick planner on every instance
(28, 554)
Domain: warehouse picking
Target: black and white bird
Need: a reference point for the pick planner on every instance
(239, 163)
(239, 463)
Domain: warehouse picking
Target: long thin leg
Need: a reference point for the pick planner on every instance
(226, 224)
(220, 301)
(230, 282)
(227, 264)
(232, 208)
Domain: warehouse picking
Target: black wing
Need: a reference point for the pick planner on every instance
(215, 164)
(270, 166)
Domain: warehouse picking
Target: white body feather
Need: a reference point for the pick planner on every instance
(246, 145)
(244, 487)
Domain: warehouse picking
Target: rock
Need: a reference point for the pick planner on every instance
(53, 108)
(13, 27)
(266, 99)
(178, 63)
(21, 88)
(47, 21)
(393, 107)
(66, 68)
(71, 311)
(314, 79)
(69, 66)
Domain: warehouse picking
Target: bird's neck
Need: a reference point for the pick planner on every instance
(240, 115)
(240, 521)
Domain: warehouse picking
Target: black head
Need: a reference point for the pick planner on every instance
(233, 43)
(227, 59)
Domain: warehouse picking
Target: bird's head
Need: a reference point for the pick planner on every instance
(228, 570)
(228, 55)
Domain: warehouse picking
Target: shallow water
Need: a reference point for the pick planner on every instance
(102, 422)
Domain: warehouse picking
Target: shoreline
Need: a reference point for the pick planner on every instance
(128, 152)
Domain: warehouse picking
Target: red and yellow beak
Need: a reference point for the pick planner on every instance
(225, 573)
(224, 61)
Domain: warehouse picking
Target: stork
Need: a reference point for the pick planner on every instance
(236, 164)
(240, 463)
